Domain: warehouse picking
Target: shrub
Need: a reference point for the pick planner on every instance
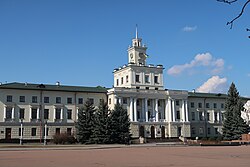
(63, 138)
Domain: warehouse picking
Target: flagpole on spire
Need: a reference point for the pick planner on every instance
(136, 32)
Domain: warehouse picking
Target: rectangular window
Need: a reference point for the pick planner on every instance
(80, 100)
(9, 98)
(117, 82)
(209, 131)
(208, 116)
(177, 102)
(149, 103)
(69, 100)
(215, 116)
(33, 131)
(192, 104)
(58, 100)
(200, 105)
(127, 78)
(69, 131)
(200, 116)
(147, 88)
(159, 103)
(138, 102)
(201, 130)
(137, 87)
(146, 78)
(193, 130)
(193, 116)
(22, 99)
(222, 105)
(69, 114)
(156, 79)
(216, 131)
(21, 113)
(34, 113)
(178, 115)
(46, 99)
(124, 100)
(137, 78)
(8, 112)
(46, 113)
(109, 100)
(122, 80)
(91, 100)
(57, 131)
(207, 105)
(58, 113)
(34, 99)
(215, 105)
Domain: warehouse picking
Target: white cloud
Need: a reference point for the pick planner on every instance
(189, 28)
(215, 84)
(248, 74)
(215, 66)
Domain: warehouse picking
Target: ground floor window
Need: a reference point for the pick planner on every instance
(33, 131)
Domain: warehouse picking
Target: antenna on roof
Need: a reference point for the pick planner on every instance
(136, 32)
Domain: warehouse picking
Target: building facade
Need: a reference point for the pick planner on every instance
(34, 105)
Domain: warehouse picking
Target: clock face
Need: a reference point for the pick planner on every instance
(131, 56)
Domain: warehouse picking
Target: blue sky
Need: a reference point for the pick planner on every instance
(81, 42)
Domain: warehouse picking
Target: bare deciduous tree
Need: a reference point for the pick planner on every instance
(230, 23)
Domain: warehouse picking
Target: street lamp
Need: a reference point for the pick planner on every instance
(21, 135)
(45, 133)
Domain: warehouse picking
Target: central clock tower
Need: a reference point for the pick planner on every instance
(137, 52)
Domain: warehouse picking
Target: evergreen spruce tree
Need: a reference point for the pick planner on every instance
(101, 131)
(119, 125)
(233, 125)
(85, 123)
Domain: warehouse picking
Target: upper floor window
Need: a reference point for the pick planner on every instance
(69, 114)
(137, 78)
(156, 79)
(34, 113)
(58, 100)
(46, 99)
(222, 105)
(69, 100)
(122, 80)
(215, 105)
(200, 105)
(215, 116)
(193, 116)
(177, 102)
(22, 99)
(80, 100)
(127, 78)
(124, 100)
(200, 116)
(58, 113)
(34, 99)
(9, 98)
(208, 116)
(109, 100)
(46, 113)
(178, 115)
(207, 105)
(192, 104)
(146, 78)
(117, 82)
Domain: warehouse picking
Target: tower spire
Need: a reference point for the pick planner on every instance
(136, 32)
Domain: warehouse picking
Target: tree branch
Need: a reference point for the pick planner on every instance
(226, 1)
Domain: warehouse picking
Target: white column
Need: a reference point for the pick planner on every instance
(120, 100)
(218, 116)
(170, 118)
(183, 111)
(61, 114)
(54, 113)
(37, 113)
(4, 114)
(156, 111)
(131, 109)
(173, 109)
(146, 109)
(30, 112)
(135, 110)
(77, 110)
(13, 113)
(153, 108)
(186, 110)
(166, 110)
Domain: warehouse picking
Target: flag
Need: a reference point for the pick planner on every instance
(146, 55)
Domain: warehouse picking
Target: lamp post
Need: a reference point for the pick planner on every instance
(45, 133)
(21, 135)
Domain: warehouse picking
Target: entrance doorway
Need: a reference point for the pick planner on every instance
(179, 131)
(163, 132)
(8, 133)
(141, 131)
(152, 132)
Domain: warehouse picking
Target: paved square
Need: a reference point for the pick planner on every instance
(130, 157)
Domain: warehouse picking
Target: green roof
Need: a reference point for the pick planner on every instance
(211, 95)
(47, 87)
